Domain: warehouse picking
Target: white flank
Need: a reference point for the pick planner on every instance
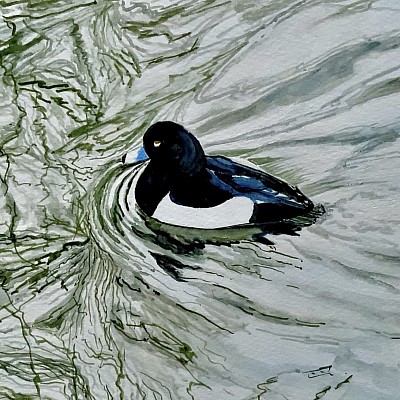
(235, 211)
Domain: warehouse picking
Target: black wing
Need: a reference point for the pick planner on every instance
(274, 199)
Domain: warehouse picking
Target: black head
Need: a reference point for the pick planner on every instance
(171, 147)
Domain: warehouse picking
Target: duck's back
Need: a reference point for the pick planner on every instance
(274, 199)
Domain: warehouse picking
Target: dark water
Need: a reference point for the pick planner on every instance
(96, 305)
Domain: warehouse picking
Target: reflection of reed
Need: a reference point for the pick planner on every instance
(110, 296)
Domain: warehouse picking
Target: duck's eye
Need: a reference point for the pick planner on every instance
(157, 143)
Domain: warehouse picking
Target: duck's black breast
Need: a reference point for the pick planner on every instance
(152, 186)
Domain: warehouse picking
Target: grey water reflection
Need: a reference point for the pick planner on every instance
(94, 304)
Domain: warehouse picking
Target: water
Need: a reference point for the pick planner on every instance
(95, 304)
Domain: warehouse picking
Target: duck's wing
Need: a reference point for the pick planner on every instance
(274, 198)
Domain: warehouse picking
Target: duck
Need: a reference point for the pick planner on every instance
(182, 186)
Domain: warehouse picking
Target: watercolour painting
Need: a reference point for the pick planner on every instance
(101, 299)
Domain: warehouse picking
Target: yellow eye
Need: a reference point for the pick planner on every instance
(157, 143)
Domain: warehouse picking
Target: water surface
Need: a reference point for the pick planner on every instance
(95, 304)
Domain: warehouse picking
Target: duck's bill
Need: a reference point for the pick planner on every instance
(135, 157)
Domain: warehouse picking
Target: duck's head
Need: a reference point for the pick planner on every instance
(173, 149)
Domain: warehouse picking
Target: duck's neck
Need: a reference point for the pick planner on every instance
(183, 170)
